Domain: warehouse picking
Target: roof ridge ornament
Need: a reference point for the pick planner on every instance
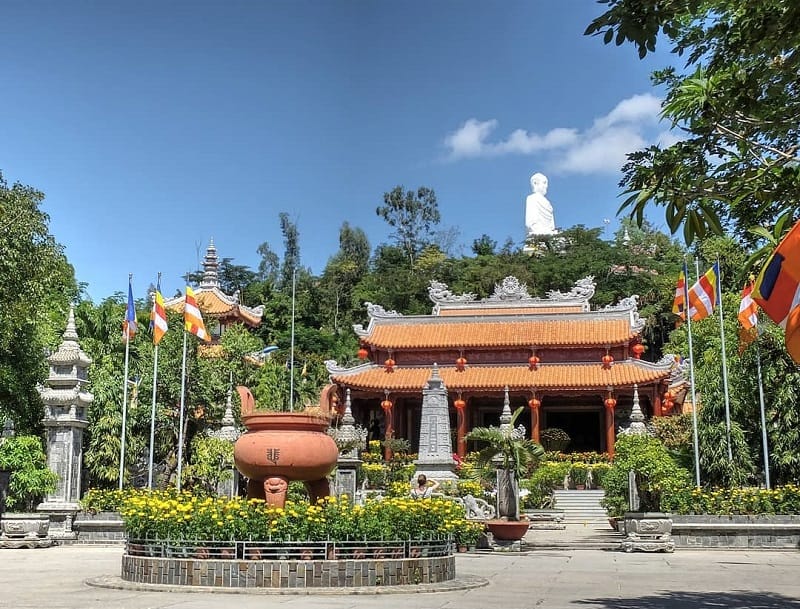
(438, 292)
(375, 310)
(630, 303)
(582, 290)
(510, 289)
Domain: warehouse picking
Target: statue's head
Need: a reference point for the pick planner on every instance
(539, 183)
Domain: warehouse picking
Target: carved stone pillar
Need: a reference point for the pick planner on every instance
(435, 445)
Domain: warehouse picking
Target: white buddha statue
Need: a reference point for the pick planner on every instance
(539, 218)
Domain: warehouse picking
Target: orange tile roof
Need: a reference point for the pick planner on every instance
(502, 333)
(509, 311)
(547, 376)
(211, 304)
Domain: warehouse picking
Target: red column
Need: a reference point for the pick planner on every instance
(611, 435)
(389, 412)
(461, 432)
(657, 411)
(535, 405)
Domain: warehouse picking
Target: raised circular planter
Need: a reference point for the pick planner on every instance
(288, 565)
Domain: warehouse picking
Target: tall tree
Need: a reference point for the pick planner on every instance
(36, 285)
(291, 252)
(413, 215)
(344, 270)
(735, 102)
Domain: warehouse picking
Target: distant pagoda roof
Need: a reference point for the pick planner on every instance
(212, 301)
(508, 318)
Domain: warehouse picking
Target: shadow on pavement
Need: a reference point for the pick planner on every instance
(699, 600)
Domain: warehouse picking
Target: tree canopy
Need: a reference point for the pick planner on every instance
(734, 104)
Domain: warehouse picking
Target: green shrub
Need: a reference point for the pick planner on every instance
(554, 439)
(547, 477)
(599, 473)
(735, 501)
(578, 473)
(657, 474)
(30, 480)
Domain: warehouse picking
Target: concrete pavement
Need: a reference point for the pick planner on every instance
(55, 578)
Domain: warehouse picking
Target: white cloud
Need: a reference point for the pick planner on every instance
(601, 148)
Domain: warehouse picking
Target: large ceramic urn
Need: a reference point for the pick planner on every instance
(282, 446)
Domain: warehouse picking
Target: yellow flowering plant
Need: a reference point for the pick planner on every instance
(183, 516)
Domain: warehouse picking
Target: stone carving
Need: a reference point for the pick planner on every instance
(438, 292)
(583, 290)
(477, 509)
(435, 444)
(374, 310)
(539, 217)
(510, 289)
(631, 303)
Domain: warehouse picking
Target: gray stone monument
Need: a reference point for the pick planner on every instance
(435, 444)
(66, 402)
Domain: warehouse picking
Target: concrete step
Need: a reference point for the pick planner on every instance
(581, 506)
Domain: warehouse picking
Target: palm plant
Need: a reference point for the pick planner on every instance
(512, 453)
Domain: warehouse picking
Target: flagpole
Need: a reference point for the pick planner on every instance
(695, 438)
(291, 351)
(180, 422)
(125, 394)
(718, 297)
(763, 416)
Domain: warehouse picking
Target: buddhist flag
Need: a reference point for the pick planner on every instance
(704, 294)
(129, 325)
(679, 303)
(777, 289)
(158, 316)
(748, 317)
(192, 317)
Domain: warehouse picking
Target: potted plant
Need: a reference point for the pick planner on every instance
(512, 454)
(578, 474)
(30, 481)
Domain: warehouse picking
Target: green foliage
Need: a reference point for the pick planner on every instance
(578, 473)
(412, 215)
(546, 478)
(516, 454)
(211, 462)
(739, 501)
(657, 474)
(103, 500)
(599, 471)
(30, 479)
(36, 285)
(734, 101)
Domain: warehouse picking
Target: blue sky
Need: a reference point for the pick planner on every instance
(154, 126)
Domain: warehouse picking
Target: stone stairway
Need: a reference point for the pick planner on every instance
(581, 506)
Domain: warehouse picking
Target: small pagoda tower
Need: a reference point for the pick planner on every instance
(218, 308)
(66, 402)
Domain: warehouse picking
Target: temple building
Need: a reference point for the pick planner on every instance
(219, 309)
(567, 366)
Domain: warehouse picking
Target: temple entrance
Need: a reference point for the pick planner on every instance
(584, 428)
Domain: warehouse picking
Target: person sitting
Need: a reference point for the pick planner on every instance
(421, 490)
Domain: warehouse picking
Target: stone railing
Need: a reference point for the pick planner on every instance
(752, 532)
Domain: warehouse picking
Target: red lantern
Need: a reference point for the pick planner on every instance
(638, 349)
(668, 401)
(461, 363)
(363, 353)
(389, 365)
(610, 403)
(608, 360)
(533, 362)
(459, 404)
(386, 405)
(534, 403)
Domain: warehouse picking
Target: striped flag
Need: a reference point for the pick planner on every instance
(192, 317)
(777, 289)
(679, 303)
(129, 325)
(704, 294)
(158, 316)
(748, 317)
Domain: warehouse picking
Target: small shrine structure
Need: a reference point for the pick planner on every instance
(568, 366)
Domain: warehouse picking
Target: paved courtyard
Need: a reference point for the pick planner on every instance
(55, 578)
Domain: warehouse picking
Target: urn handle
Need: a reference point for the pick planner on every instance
(248, 401)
